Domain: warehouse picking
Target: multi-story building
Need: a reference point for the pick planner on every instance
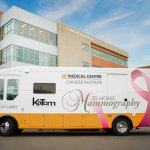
(76, 48)
(27, 39)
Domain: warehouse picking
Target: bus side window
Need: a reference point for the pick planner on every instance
(44, 88)
(12, 89)
(1, 89)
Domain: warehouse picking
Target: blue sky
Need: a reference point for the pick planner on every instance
(123, 23)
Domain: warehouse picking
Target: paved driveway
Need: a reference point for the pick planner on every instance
(44, 140)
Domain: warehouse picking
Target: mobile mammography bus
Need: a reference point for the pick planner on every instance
(116, 100)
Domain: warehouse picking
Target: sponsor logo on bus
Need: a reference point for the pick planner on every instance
(42, 102)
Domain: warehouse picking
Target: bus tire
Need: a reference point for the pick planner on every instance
(7, 127)
(121, 126)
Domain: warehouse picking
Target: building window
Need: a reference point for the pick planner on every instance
(44, 88)
(25, 55)
(1, 89)
(6, 30)
(108, 57)
(85, 47)
(23, 29)
(86, 64)
(12, 89)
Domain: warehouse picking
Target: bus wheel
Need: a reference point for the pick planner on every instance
(121, 126)
(7, 127)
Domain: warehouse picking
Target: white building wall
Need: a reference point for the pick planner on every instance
(27, 17)
(27, 43)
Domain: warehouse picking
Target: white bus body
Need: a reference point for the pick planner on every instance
(116, 100)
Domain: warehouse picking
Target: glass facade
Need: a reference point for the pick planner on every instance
(25, 55)
(85, 47)
(108, 57)
(26, 30)
(6, 30)
(30, 56)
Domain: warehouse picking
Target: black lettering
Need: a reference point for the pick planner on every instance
(42, 102)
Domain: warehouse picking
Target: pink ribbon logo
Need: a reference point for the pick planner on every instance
(144, 94)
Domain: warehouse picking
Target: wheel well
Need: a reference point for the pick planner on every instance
(125, 118)
(12, 118)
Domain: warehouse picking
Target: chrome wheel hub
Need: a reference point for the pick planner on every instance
(122, 126)
(4, 127)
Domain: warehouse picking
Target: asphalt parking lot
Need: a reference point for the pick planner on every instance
(46, 140)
